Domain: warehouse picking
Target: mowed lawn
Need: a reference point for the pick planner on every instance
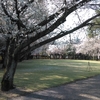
(38, 74)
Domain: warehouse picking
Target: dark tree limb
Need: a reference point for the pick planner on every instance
(61, 34)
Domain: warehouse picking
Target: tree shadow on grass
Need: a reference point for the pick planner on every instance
(18, 94)
(87, 89)
(14, 93)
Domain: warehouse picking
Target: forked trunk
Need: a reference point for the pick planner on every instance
(7, 80)
(10, 66)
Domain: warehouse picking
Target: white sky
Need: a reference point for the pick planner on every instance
(73, 20)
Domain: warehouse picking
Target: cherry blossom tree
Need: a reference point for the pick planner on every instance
(30, 24)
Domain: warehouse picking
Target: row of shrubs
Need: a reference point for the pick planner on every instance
(64, 56)
(60, 56)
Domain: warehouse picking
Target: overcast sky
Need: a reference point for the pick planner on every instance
(75, 19)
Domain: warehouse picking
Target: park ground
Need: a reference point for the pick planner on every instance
(36, 75)
(87, 89)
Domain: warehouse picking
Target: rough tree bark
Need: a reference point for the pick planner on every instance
(11, 63)
(5, 55)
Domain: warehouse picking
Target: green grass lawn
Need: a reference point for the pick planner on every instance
(38, 74)
(45, 73)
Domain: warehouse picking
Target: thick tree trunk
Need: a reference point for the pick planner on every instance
(4, 61)
(7, 81)
(5, 53)
(10, 67)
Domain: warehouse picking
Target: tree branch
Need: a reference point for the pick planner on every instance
(56, 24)
(26, 6)
(6, 12)
(61, 34)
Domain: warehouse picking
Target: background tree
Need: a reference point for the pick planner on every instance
(94, 29)
(29, 26)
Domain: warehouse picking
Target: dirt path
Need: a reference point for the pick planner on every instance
(88, 89)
